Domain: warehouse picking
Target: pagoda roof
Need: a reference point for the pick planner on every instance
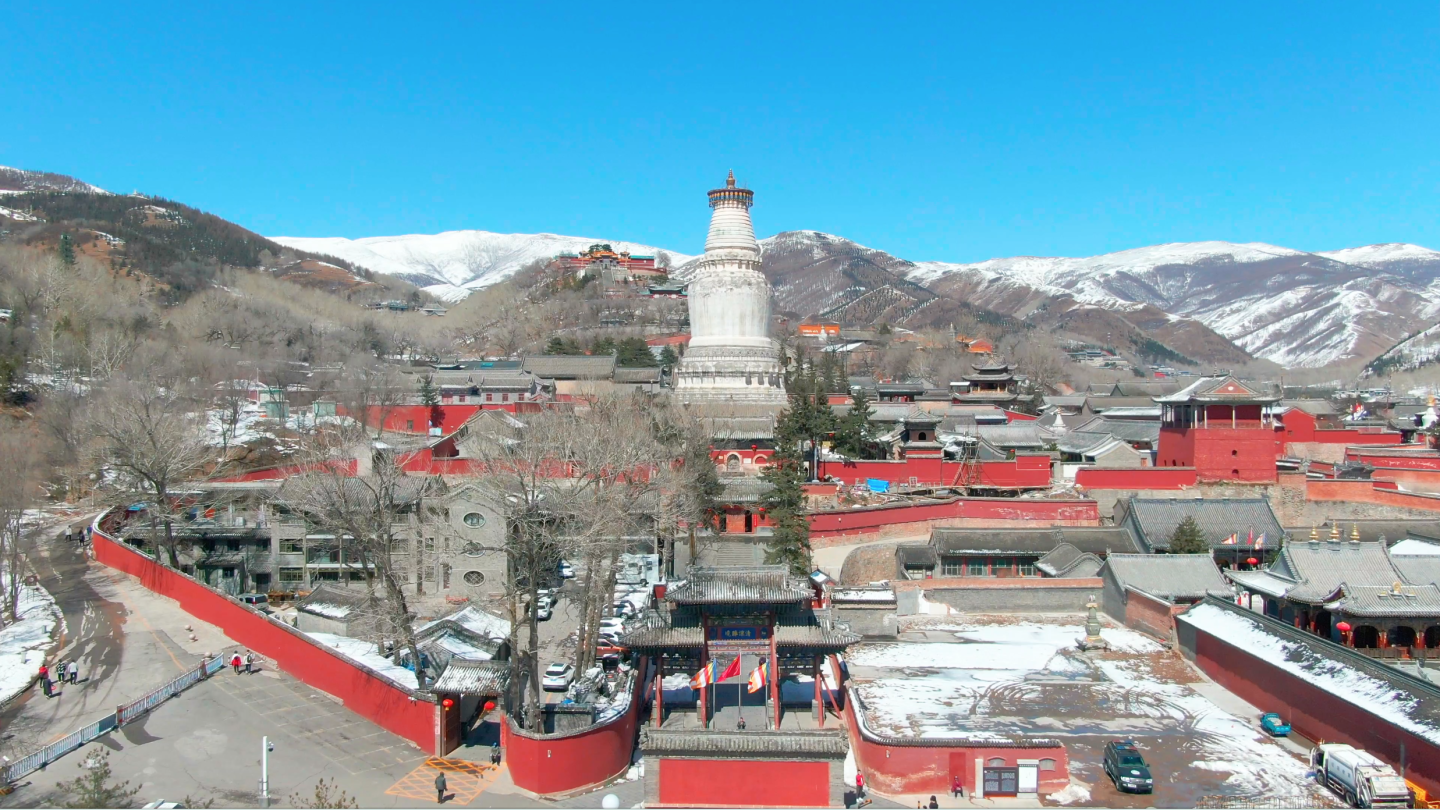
(656, 634)
(740, 584)
(1222, 390)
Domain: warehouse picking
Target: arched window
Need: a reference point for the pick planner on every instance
(1047, 764)
(996, 762)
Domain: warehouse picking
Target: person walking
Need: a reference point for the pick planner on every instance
(45, 680)
(440, 787)
(73, 671)
(235, 662)
(859, 786)
(495, 754)
(249, 662)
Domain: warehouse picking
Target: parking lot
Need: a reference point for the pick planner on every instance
(1024, 675)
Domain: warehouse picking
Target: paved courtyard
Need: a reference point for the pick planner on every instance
(1024, 674)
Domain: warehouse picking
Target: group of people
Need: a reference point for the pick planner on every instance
(247, 661)
(957, 789)
(64, 672)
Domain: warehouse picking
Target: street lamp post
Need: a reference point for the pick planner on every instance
(265, 749)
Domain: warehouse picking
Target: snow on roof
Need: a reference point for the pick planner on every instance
(366, 654)
(863, 595)
(1311, 661)
(1411, 547)
(477, 621)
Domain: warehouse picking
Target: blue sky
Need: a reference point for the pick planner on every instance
(951, 132)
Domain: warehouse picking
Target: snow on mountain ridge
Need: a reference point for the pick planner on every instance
(458, 262)
(1375, 255)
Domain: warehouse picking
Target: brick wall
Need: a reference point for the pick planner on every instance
(1148, 614)
(874, 523)
(1037, 595)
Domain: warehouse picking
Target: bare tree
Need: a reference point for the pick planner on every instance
(381, 515)
(149, 438)
(18, 446)
(576, 485)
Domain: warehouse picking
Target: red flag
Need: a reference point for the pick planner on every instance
(730, 671)
(1250, 541)
(758, 677)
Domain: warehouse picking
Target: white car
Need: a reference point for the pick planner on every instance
(544, 611)
(557, 677)
(567, 571)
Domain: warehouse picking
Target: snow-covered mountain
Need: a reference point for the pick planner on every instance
(19, 181)
(1295, 308)
(456, 263)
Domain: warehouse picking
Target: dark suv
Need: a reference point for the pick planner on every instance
(1126, 768)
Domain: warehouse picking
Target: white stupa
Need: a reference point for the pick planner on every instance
(731, 356)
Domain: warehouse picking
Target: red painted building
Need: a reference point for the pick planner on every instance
(1223, 428)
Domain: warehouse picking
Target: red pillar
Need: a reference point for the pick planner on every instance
(774, 675)
(659, 690)
(704, 661)
(819, 685)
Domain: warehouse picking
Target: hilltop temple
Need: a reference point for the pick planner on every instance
(731, 357)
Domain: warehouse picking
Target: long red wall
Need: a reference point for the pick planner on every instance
(365, 693)
(927, 769)
(553, 766)
(416, 418)
(1313, 712)
(1136, 478)
(742, 783)
(841, 522)
(1404, 461)
(1383, 493)
(1023, 472)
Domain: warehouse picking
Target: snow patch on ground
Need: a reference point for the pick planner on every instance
(23, 643)
(1070, 794)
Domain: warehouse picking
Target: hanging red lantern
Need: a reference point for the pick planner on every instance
(1252, 561)
(1343, 627)
(754, 447)
(447, 703)
(489, 706)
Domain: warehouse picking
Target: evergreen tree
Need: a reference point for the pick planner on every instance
(559, 345)
(67, 250)
(94, 788)
(853, 435)
(1188, 539)
(635, 352)
(785, 503)
(668, 357)
(430, 398)
(603, 346)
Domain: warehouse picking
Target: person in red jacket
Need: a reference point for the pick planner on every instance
(859, 785)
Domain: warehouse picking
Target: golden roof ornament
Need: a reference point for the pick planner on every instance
(730, 181)
(1335, 532)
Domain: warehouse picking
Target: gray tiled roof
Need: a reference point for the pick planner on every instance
(1319, 569)
(916, 554)
(1092, 539)
(761, 583)
(1127, 430)
(1418, 569)
(474, 678)
(1155, 519)
(1169, 576)
(656, 632)
(1019, 435)
(351, 600)
(637, 375)
(1314, 407)
(1064, 558)
(571, 367)
(744, 489)
(1397, 599)
(739, 427)
(1223, 389)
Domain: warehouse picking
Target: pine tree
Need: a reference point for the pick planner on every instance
(635, 353)
(67, 250)
(94, 788)
(668, 357)
(430, 398)
(853, 436)
(790, 543)
(603, 346)
(1188, 539)
(556, 345)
